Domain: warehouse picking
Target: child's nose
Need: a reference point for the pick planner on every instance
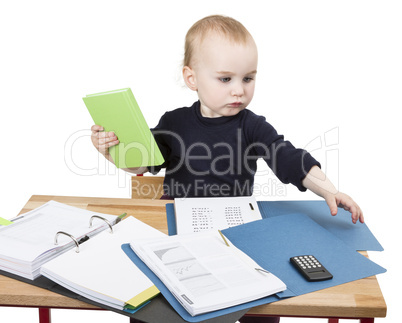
(237, 90)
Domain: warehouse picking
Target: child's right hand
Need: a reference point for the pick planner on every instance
(103, 140)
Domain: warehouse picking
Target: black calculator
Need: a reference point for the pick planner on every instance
(310, 268)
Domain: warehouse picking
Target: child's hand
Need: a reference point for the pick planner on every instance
(346, 202)
(103, 140)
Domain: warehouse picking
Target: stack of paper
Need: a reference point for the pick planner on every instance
(29, 242)
(102, 272)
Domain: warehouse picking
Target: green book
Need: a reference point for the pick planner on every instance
(118, 111)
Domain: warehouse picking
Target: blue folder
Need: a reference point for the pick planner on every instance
(358, 235)
(271, 242)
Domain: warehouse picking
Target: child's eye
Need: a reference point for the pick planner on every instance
(247, 79)
(225, 79)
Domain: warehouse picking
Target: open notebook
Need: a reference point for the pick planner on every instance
(29, 242)
(102, 272)
(205, 272)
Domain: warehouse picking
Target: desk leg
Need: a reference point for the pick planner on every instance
(44, 315)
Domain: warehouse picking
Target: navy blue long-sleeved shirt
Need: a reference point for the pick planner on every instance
(207, 157)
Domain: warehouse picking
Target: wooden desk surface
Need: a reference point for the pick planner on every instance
(360, 299)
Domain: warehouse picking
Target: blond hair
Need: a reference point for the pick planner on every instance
(222, 25)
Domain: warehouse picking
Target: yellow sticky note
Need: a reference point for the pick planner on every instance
(144, 296)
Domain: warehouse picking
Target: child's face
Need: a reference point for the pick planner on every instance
(224, 76)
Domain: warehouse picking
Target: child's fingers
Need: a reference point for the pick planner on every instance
(353, 211)
(333, 206)
(104, 136)
(108, 141)
(96, 128)
(357, 214)
(103, 140)
(349, 205)
(361, 217)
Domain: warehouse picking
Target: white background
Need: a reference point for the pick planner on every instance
(329, 78)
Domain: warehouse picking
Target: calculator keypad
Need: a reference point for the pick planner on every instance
(310, 268)
(308, 262)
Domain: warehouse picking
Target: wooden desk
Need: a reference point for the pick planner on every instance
(360, 299)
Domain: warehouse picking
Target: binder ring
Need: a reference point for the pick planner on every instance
(77, 250)
(99, 217)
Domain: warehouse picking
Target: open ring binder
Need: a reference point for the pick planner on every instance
(68, 235)
(99, 217)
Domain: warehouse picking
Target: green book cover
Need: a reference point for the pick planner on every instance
(119, 112)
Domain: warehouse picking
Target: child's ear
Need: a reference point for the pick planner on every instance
(189, 78)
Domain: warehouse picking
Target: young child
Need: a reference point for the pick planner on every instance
(211, 148)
